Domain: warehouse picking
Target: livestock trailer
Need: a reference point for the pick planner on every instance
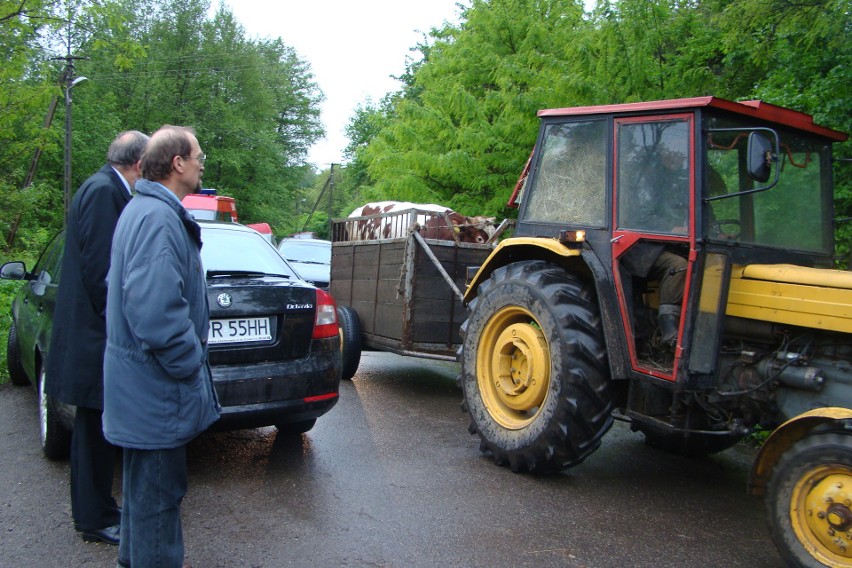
(406, 290)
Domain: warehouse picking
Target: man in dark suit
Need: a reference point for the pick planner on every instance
(75, 361)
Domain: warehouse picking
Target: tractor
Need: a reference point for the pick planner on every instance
(673, 267)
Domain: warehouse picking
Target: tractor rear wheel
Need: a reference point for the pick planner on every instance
(808, 502)
(533, 368)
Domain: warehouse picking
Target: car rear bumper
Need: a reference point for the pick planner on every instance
(268, 393)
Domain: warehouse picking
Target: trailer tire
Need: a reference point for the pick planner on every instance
(534, 372)
(350, 341)
(804, 502)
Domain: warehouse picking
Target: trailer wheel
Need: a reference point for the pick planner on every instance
(350, 340)
(808, 502)
(533, 368)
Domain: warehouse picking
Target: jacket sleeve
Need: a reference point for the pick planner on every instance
(97, 216)
(156, 308)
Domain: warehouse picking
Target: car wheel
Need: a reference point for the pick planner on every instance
(290, 428)
(350, 340)
(13, 359)
(55, 437)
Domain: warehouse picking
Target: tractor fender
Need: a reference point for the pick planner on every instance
(576, 258)
(782, 438)
(524, 248)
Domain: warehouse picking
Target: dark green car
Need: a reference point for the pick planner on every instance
(29, 339)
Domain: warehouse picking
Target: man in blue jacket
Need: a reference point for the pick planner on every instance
(158, 392)
(75, 361)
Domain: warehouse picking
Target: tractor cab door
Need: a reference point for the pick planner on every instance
(653, 239)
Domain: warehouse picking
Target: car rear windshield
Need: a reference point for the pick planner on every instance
(306, 252)
(227, 251)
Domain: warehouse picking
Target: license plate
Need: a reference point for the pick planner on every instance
(239, 330)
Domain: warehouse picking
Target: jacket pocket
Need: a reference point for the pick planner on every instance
(193, 401)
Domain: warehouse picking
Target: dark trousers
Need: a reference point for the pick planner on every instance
(154, 483)
(670, 270)
(92, 470)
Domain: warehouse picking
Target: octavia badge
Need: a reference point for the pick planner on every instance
(224, 300)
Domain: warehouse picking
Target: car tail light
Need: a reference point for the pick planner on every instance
(326, 322)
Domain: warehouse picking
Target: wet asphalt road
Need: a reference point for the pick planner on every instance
(391, 478)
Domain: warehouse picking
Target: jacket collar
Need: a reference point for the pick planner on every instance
(159, 191)
(121, 185)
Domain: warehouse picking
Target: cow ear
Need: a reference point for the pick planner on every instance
(456, 229)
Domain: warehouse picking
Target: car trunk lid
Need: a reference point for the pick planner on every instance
(259, 318)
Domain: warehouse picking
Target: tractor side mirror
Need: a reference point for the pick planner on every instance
(760, 157)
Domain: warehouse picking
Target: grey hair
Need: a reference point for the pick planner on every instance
(127, 148)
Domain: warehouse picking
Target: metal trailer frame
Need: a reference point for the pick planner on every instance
(407, 291)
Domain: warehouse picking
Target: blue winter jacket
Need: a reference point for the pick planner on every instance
(158, 391)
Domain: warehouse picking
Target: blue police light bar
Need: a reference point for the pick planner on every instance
(208, 191)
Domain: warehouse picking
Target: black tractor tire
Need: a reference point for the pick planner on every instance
(13, 359)
(55, 437)
(534, 371)
(350, 340)
(294, 428)
(807, 502)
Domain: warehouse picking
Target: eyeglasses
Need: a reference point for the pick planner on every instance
(201, 159)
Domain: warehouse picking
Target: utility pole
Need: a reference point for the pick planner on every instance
(329, 184)
(330, 199)
(69, 81)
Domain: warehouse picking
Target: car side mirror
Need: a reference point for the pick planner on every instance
(760, 157)
(15, 270)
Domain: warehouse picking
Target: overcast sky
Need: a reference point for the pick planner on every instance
(353, 48)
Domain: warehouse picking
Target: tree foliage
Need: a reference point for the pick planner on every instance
(253, 103)
(458, 131)
(462, 126)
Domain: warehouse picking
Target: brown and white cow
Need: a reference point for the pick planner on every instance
(476, 229)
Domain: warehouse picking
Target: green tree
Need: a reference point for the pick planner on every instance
(254, 104)
(462, 131)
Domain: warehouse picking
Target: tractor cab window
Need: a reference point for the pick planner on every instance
(569, 184)
(653, 176)
(795, 214)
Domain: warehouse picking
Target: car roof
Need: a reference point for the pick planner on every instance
(300, 240)
(224, 225)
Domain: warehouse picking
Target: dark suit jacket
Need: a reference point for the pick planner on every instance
(75, 360)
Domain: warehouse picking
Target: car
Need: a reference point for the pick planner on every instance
(310, 257)
(274, 343)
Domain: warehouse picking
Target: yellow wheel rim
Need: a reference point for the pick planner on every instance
(821, 514)
(513, 367)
